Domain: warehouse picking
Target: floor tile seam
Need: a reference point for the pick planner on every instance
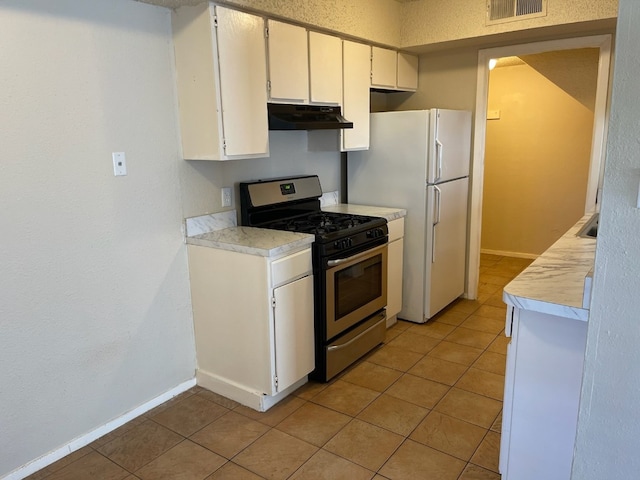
(501, 400)
(345, 413)
(242, 449)
(231, 460)
(466, 460)
(316, 452)
(391, 431)
(356, 463)
(173, 431)
(481, 426)
(132, 472)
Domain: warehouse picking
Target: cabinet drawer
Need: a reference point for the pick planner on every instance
(396, 229)
(291, 267)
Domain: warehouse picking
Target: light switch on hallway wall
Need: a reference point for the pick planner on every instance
(493, 114)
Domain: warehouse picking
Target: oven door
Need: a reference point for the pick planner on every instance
(356, 288)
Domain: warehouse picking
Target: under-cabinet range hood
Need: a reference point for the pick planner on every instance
(306, 117)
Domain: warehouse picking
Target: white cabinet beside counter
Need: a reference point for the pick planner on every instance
(542, 394)
(253, 318)
(394, 270)
(222, 100)
(547, 324)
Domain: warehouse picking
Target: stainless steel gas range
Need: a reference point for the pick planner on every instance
(349, 266)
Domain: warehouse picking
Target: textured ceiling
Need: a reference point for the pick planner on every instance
(179, 3)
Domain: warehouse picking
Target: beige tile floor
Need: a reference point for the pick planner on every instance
(427, 404)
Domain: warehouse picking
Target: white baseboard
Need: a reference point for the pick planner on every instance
(87, 438)
(249, 398)
(504, 253)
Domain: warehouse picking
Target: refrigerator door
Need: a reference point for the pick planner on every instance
(446, 244)
(391, 174)
(449, 145)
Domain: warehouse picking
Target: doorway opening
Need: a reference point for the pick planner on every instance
(602, 44)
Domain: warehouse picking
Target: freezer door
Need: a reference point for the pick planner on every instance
(446, 244)
(449, 145)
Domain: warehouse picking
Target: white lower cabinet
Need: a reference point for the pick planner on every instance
(541, 395)
(394, 270)
(253, 320)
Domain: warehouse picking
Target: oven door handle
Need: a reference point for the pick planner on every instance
(383, 318)
(340, 261)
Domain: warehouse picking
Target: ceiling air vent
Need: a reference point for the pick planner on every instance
(499, 11)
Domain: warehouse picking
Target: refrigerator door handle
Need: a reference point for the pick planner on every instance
(438, 194)
(439, 156)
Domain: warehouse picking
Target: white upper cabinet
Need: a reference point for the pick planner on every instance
(356, 98)
(407, 71)
(391, 70)
(288, 63)
(383, 67)
(221, 83)
(325, 69)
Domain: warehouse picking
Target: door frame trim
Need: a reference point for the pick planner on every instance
(601, 115)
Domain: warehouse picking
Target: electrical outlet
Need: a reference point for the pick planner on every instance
(226, 196)
(119, 164)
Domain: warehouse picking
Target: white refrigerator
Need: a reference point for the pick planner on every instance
(419, 160)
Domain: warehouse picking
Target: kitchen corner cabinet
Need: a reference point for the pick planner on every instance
(394, 71)
(288, 63)
(394, 270)
(253, 319)
(541, 394)
(356, 99)
(222, 100)
(325, 69)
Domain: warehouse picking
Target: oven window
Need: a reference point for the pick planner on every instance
(357, 285)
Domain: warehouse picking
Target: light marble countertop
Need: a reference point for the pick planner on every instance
(384, 212)
(254, 241)
(555, 282)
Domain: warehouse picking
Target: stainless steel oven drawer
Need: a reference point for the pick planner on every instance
(350, 347)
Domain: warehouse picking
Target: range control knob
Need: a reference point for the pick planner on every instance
(342, 244)
(375, 233)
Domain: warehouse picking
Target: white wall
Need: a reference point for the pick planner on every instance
(609, 424)
(95, 315)
(202, 180)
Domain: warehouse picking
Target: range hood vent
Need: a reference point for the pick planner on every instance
(306, 117)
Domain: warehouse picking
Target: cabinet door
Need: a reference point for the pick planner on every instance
(407, 71)
(356, 98)
(383, 67)
(293, 318)
(243, 96)
(288, 63)
(325, 68)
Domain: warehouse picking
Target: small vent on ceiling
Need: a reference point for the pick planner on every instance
(499, 11)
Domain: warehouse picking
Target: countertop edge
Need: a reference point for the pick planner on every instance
(388, 213)
(555, 282)
(296, 242)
